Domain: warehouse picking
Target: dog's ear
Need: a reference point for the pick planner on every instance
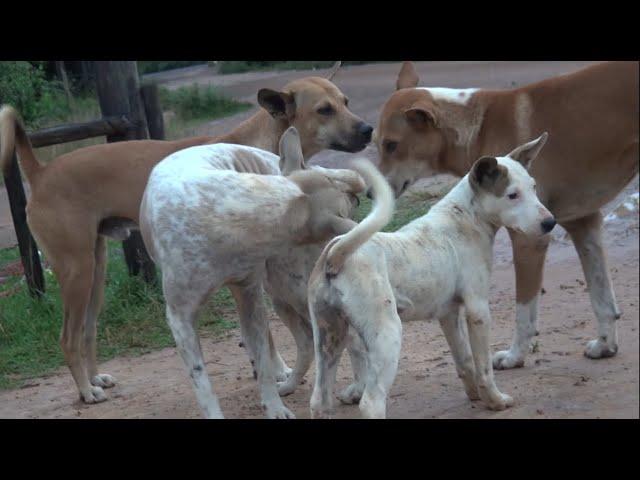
(408, 77)
(527, 152)
(280, 105)
(419, 116)
(346, 180)
(486, 174)
(334, 70)
(291, 158)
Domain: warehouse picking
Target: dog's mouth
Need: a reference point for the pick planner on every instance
(351, 147)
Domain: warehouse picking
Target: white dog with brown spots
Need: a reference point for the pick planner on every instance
(211, 215)
(430, 268)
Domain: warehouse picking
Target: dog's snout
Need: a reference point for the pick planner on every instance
(548, 224)
(365, 130)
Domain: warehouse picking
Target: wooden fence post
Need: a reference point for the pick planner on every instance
(26, 244)
(118, 90)
(153, 111)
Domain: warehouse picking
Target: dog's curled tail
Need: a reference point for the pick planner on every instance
(380, 215)
(13, 135)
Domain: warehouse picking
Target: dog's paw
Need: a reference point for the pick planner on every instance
(103, 380)
(94, 395)
(503, 402)
(283, 374)
(286, 388)
(277, 411)
(321, 414)
(600, 349)
(472, 393)
(504, 360)
(351, 394)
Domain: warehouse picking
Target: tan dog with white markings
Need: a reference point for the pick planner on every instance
(82, 197)
(592, 119)
(211, 215)
(430, 268)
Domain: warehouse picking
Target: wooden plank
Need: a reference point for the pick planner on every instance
(26, 244)
(115, 125)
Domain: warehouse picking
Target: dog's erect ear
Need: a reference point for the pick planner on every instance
(488, 175)
(408, 77)
(279, 104)
(419, 117)
(334, 70)
(527, 152)
(291, 158)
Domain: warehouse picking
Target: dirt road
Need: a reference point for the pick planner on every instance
(556, 382)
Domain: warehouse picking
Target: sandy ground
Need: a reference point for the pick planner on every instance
(556, 382)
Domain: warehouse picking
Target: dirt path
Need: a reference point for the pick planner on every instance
(557, 381)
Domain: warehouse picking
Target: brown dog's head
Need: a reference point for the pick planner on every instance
(320, 113)
(330, 194)
(411, 138)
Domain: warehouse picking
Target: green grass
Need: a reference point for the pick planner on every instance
(132, 321)
(409, 206)
(232, 66)
(200, 103)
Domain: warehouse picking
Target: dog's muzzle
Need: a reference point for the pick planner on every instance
(547, 224)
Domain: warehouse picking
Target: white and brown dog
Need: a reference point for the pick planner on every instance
(211, 215)
(430, 268)
(592, 119)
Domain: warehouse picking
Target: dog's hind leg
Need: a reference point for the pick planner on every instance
(76, 280)
(586, 234)
(255, 330)
(453, 326)
(528, 258)
(358, 356)
(330, 337)
(183, 305)
(302, 333)
(478, 324)
(91, 326)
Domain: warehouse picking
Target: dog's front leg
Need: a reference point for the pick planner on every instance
(528, 259)
(586, 234)
(255, 331)
(478, 323)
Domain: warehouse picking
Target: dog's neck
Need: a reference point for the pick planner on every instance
(478, 128)
(459, 207)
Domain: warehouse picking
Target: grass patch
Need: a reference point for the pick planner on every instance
(197, 103)
(132, 321)
(155, 66)
(241, 66)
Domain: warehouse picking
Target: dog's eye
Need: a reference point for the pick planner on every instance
(326, 110)
(390, 147)
(513, 196)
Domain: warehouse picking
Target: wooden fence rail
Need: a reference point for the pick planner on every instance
(80, 131)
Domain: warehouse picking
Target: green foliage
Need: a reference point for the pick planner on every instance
(197, 102)
(250, 66)
(25, 86)
(155, 66)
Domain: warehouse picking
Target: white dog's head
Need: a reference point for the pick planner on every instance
(506, 192)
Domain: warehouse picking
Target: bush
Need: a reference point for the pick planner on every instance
(152, 66)
(250, 66)
(196, 102)
(24, 85)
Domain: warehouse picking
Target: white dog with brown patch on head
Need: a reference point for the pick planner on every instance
(430, 268)
(211, 215)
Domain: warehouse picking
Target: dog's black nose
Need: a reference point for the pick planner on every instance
(548, 224)
(369, 193)
(365, 130)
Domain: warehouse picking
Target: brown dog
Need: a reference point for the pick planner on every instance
(592, 154)
(95, 191)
